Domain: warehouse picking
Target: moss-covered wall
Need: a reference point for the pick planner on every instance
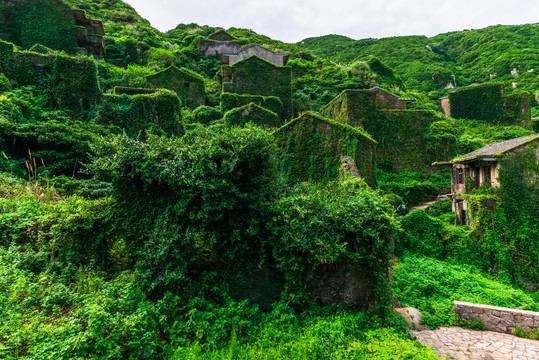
(254, 114)
(477, 102)
(46, 22)
(351, 107)
(160, 112)
(487, 102)
(312, 148)
(69, 83)
(189, 86)
(517, 109)
(404, 137)
(255, 76)
(406, 141)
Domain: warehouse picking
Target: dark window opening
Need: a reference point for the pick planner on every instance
(487, 174)
(460, 176)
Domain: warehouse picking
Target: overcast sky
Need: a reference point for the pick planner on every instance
(293, 20)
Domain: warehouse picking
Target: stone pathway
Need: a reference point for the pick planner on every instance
(458, 343)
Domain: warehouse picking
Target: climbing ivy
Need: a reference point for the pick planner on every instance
(312, 148)
(158, 112)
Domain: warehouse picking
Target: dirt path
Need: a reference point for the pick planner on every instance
(458, 343)
(423, 205)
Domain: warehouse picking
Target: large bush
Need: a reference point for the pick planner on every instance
(193, 205)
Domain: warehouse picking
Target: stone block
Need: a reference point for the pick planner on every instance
(491, 327)
(501, 328)
(496, 313)
(478, 310)
(505, 316)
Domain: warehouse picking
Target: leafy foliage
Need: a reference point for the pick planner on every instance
(432, 285)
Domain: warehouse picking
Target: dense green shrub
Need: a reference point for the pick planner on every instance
(159, 112)
(431, 286)
(4, 83)
(429, 236)
(206, 115)
(412, 187)
(335, 221)
(189, 203)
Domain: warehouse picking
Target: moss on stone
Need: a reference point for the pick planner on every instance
(256, 76)
(252, 113)
(312, 148)
(186, 84)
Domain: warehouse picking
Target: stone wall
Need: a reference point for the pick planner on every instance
(499, 319)
(277, 59)
(211, 48)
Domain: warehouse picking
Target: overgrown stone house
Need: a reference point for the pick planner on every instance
(480, 167)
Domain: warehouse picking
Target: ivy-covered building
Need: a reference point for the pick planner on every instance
(313, 148)
(67, 82)
(487, 102)
(481, 167)
(256, 76)
(51, 23)
(187, 85)
(408, 140)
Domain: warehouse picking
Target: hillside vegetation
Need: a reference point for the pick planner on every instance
(429, 64)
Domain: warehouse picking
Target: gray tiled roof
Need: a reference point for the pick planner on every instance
(496, 149)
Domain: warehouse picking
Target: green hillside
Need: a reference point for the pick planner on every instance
(156, 203)
(427, 64)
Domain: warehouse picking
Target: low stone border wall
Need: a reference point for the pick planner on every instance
(496, 318)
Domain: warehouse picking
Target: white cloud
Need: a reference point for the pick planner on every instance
(294, 20)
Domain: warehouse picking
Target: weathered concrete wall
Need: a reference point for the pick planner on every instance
(386, 100)
(445, 106)
(263, 53)
(219, 48)
(341, 283)
(499, 319)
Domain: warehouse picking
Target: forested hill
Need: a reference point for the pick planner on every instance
(424, 64)
(473, 56)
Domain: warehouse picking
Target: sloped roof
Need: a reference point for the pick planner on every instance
(312, 116)
(221, 34)
(254, 58)
(496, 149)
(185, 73)
(377, 88)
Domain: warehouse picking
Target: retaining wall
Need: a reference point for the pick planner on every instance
(499, 319)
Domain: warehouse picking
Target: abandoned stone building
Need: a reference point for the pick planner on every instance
(90, 33)
(256, 76)
(487, 102)
(404, 135)
(480, 167)
(313, 148)
(187, 85)
(59, 26)
(277, 59)
(220, 43)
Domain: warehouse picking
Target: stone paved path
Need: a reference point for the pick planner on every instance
(458, 343)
